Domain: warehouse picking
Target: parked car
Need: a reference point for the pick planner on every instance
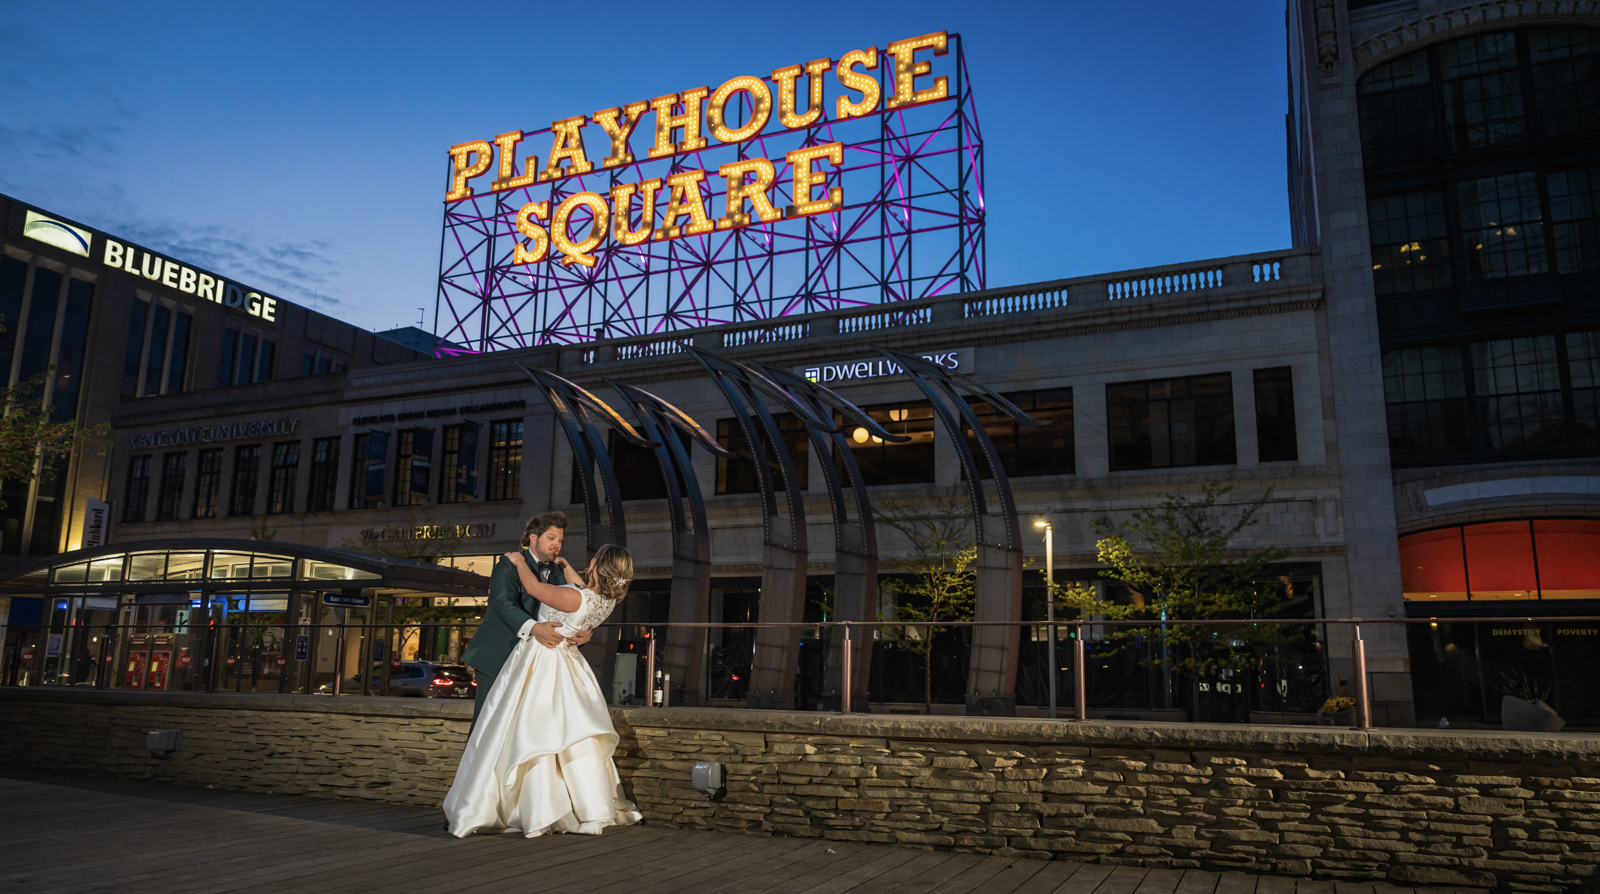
(418, 679)
(427, 679)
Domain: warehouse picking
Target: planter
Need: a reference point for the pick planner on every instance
(1528, 717)
(1347, 717)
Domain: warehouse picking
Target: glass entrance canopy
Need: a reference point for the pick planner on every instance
(203, 565)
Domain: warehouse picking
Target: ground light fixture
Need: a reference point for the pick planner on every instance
(709, 778)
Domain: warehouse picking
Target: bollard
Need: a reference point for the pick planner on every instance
(1079, 683)
(1358, 655)
(650, 671)
(844, 696)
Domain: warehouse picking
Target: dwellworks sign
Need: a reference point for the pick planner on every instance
(873, 369)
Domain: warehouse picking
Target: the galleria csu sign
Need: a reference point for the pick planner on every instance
(682, 122)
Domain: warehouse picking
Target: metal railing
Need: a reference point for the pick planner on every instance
(118, 647)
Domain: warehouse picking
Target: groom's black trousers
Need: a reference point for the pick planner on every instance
(480, 692)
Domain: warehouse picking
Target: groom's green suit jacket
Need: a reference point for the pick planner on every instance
(509, 608)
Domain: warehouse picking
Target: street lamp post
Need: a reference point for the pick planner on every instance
(1050, 601)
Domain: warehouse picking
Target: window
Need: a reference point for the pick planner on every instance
(138, 491)
(247, 359)
(324, 474)
(178, 353)
(1397, 111)
(882, 462)
(505, 460)
(1482, 90)
(1171, 422)
(280, 487)
(1583, 365)
(156, 352)
(1573, 216)
(1502, 225)
(1025, 450)
(207, 482)
(638, 470)
(413, 467)
(1518, 386)
(1565, 84)
(1410, 243)
(1502, 560)
(1493, 398)
(264, 363)
(246, 475)
(319, 363)
(1275, 429)
(458, 474)
(230, 356)
(737, 474)
(131, 361)
(71, 351)
(173, 468)
(1425, 391)
(369, 469)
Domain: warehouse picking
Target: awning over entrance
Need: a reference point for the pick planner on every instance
(208, 565)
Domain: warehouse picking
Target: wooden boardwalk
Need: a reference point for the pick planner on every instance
(77, 835)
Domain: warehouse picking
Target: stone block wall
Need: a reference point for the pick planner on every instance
(1486, 809)
(1412, 807)
(395, 750)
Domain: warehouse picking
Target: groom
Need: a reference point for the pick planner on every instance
(512, 612)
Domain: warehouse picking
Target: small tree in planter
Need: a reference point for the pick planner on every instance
(940, 584)
(1523, 709)
(1178, 562)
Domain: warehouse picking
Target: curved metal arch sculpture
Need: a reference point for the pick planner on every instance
(574, 405)
(785, 544)
(577, 409)
(691, 540)
(855, 544)
(992, 667)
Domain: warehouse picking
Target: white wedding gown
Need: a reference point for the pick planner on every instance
(539, 758)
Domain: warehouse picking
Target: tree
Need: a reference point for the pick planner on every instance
(29, 440)
(940, 584)
(1179, 564)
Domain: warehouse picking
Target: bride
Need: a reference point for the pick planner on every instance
(539, 758)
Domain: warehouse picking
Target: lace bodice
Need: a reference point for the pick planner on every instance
(590, 614)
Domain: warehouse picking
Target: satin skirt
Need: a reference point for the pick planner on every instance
(540, 757)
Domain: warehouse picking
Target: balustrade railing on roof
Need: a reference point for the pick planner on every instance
(1242, 272)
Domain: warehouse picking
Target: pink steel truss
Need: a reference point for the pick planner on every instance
(912, 225)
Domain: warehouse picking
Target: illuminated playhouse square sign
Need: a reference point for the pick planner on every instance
(765, 196)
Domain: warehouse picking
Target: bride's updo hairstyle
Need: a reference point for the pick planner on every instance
(613, 571)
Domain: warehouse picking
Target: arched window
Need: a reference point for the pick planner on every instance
(1518, 560)
(1480, 91)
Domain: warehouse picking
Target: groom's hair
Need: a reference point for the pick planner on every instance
(541, 523)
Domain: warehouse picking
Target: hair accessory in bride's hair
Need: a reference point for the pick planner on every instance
(620, 582)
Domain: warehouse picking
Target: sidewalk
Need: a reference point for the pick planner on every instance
(77, 834)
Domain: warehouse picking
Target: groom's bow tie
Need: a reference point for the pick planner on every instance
(544, 569)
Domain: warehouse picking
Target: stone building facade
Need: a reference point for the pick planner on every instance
(1417, 381)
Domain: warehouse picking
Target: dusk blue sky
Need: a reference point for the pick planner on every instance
(299, 148)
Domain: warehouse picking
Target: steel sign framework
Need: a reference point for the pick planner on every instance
(911, 222)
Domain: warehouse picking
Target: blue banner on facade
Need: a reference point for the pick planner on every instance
(421, 461)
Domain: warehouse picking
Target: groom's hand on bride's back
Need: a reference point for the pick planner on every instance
(546, 634)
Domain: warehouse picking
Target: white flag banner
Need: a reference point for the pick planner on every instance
(96, 521)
